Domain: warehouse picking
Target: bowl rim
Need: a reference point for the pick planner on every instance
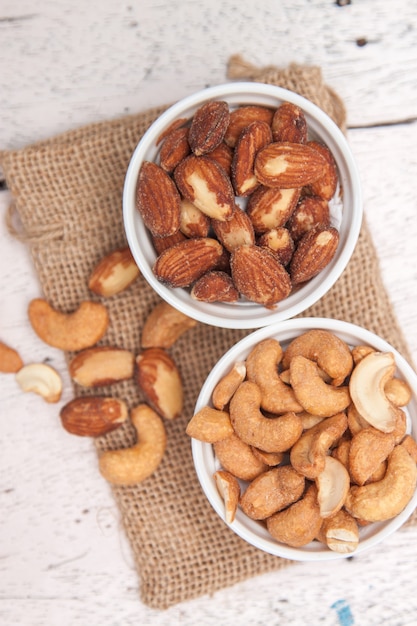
(245, 315)
(203, 454)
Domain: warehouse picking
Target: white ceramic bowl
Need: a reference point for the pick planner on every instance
(206, 463)
(346, 216)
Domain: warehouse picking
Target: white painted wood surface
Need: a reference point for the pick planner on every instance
(63, 557)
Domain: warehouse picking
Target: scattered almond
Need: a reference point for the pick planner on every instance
(10, 361)
(93, 416)
(114, 273)
(101, 365)
(160, 381)
(164, 326)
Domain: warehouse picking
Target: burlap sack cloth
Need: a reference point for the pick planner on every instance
(68, 195)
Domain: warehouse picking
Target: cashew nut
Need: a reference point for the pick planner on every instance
(262, 369)
(69, 331)
(385, 499)
(329, 352)
(227, 386)
(410, 445)
(313, 393)
(272, 491)
(275, 434)
(209, 425)
(129, 466)
(367, 389)
(237, 457)
(10, 361)
(308, 454)
(368, 449)
(300, 523)
(229, 489)
(340, 532)
(269, 458)
(332, 486)
(398, 391)
(41, 379)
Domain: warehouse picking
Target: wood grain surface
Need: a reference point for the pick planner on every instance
(64, 558)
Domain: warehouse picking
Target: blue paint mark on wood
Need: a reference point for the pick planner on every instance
(343, 613)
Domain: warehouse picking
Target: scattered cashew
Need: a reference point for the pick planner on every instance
(313, 393)
(164, 326)
(272, 491)
(227, 386)
(41, 379)
(367, 389)
(69, 331)
(385, 499)
(262, 369)
(129, 466)
(300, 523)
(10, 361)
(329, 352)
(229, 489)
(209, 425)
(270, 434)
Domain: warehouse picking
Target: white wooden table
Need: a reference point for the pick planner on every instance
(63, 556)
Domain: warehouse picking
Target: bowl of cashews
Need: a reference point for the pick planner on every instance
(242, 205)
(303, 439)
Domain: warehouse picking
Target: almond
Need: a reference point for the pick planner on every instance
(182, 121)
(325, 186)
(215, 286)
(288, 165)
(309, 212)
(278, 241)
(158, 200)
(236, 232)
(93, 416)
(289, 124)
(193, 222)
(253, 137)
(10, 360)
(270, 207)
(114, 273)
(223, 155)
(204, 182)
(174, 149)
(242, 117)
(101, 365)
(164, 325)
(185, 262)
(259, 276)
(314, 252)
(208, 126)
(160, 381)
(163, 243)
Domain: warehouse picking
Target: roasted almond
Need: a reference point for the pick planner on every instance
(193, 222)
(174, 149)
(309, 212)
(182, 121)
(215, 286)
(278, 241)
(236, 232)
(242, 117)
(101, 365)
(259, 276)
(325, 186)
(204, 182)
(163, 243)
(253, 137)
(93, 416)
(313, 253)
(160, 381)
(288, 165)
(157, 200)
(270, 207)
(208, 126)
(114, 273)
(289, 124)
(185, 262)
(223, 155)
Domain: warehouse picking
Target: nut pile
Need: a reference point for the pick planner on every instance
(314, 436)
(94, 366)
(238, 204)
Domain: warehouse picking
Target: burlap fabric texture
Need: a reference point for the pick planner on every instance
(68, 193)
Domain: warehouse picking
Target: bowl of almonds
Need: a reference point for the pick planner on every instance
(242, 205)
(304, 439)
